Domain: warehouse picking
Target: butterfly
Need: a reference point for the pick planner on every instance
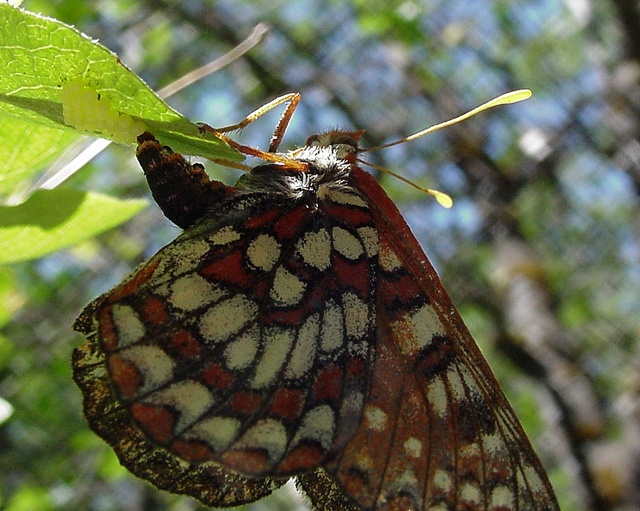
(296, 329)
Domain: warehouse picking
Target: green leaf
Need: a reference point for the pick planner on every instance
(54, 219)
(53, 76)
(25, 148)
(30, 498)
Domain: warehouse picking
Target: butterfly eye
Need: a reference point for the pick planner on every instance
(343, 143)
(313, 140)
(345, 140)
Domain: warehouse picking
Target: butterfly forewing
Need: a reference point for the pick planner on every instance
(437, 432)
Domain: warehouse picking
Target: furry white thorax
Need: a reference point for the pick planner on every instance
(325, 159)
(328, 169)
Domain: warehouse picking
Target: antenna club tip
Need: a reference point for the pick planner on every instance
(517, 95)
(443, 199)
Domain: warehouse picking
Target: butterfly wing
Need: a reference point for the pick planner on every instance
(437, 431)
(208, 482)
(305, 334)
(243, 347)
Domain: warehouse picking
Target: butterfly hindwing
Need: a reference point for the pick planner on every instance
(246, 341)
(208, 482)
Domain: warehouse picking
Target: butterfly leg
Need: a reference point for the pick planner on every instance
(293, 98)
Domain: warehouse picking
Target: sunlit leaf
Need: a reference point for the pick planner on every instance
(55, 219)
(42, 59)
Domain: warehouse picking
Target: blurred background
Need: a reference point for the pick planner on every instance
(540, 251)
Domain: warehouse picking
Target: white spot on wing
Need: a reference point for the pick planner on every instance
(192, 291)
(318, 424)
(241, 352)
(413, 447)
(218, 432)
(128, 325)
(493, 444)
(416, 329)
(153, 363)
(438, 398)
(224, 236)
(190, 398)
(287, 289)
(456, 388)
(315, 249)
(266, 434)
(356, 315)
(332, 333)
(370, 240)
(263, 252)
(346, 243)
(277, 343)
(442, 480)
(501, 497)
(533, 479)
(470, 494)
(388, 259)
(376, 418)
(304, 350)
(180, 257)
(348, 198)
(407, 482)
(227, 318)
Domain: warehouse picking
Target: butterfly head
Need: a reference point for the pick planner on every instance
(328, 158)
(344, 143)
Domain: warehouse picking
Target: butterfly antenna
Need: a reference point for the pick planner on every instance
(443, 199)
(504, 99)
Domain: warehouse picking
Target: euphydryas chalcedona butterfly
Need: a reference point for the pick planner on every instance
(297, 329)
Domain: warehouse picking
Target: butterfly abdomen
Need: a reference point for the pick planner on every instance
(172, 179)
